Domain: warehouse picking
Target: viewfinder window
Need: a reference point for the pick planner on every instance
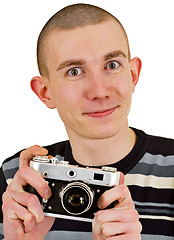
(98, 176)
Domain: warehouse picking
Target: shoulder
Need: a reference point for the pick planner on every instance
(156, 144)
(60, 148)
(162, 145)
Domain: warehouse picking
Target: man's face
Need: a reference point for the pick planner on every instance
(90, 79)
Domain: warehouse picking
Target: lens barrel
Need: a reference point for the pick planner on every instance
(76, 198)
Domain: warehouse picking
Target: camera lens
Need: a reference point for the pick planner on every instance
(76, 198)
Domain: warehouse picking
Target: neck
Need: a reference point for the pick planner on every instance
(92, 152)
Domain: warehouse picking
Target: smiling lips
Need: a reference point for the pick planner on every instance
(101, 113)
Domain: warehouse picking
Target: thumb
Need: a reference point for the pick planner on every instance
(121, 181)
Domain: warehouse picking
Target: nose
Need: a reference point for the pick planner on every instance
(97, 87)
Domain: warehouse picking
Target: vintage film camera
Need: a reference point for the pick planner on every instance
(75, 190)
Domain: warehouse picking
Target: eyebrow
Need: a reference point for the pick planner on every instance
(71, 62)
(80, 62)
(114, 54)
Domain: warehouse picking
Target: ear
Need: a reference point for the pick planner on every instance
(135, 65)
(41, 88)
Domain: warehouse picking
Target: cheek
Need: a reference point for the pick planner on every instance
(66, 98)
(123, 86)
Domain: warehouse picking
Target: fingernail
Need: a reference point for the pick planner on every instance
(99, 204)
(41, 152)
(47, 193)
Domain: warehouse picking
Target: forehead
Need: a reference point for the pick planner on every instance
(89, 42)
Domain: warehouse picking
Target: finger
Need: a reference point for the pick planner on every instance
(14, 211)
(27, 175)
(108, 215)
(126, 236)
(111, 222)
(121, 180)
(116, 215)
(116, 228)
(27, 155)
(28, 200)
(120, 194)
(13, 229)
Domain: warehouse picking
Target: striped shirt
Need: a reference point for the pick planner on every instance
(149, 174)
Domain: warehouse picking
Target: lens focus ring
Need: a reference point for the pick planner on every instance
(76, 198)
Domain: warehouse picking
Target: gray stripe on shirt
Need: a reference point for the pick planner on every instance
(1, 231)
(13, 163)
(68, 235)
(158, 159)
(155, 237)
(155, 212)
(156, 165)
(151, 204)
(157, 208)
(156, 170)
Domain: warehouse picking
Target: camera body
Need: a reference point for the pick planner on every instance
(75, 190)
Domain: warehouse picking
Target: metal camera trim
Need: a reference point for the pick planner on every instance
(82, 186)
(57, 170)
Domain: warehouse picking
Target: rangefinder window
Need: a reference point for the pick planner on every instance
(98, 176)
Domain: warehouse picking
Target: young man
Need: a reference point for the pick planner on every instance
(88, 75)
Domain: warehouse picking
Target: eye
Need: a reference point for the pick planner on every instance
(74, 72)
(113, 65)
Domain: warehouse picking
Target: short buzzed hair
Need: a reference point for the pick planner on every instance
(68, 18)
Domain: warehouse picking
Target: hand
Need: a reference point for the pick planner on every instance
(27, 155)
(120, 222)
(23, 214)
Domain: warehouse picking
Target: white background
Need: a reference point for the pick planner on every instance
(25, 121)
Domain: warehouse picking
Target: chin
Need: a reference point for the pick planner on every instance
(102, 134)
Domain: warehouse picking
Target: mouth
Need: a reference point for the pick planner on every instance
(101, 113)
